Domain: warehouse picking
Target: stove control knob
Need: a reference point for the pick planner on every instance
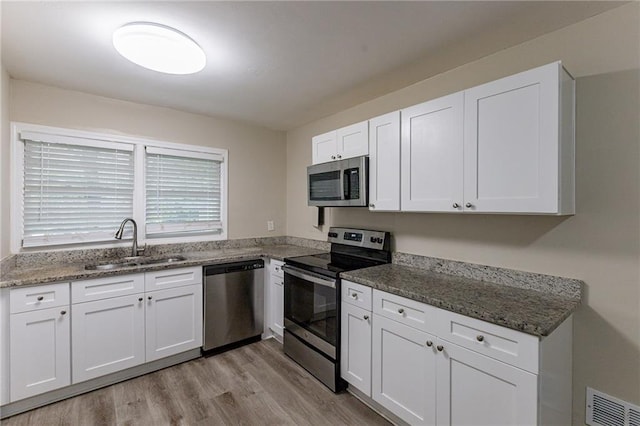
(373, 239)
(333, 234)
(380, 240)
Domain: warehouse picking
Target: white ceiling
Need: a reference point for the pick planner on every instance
(276, 64)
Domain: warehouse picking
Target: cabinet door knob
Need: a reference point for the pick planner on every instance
(139, 299)
(149, 297)
(401, 311)
(366, 317)
(333, 157)
(63, 312)
(429, 343)
(440, 348)
(480, 338)
(40, 298)
(339, 156)
(354, 295)
(456, 205)
(372, 205)
(468, 205)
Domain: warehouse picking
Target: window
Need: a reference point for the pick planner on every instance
(183, 191)
(76, 188)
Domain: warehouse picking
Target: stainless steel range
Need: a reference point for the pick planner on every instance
(312, 299)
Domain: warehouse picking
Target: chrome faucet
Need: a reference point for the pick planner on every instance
(135, 252)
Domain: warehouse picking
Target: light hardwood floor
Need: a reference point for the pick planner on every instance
(253, 385)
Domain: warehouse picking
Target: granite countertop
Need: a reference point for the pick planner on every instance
(530, 311)
(43, 274)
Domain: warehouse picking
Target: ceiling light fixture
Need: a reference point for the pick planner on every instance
(159, 48)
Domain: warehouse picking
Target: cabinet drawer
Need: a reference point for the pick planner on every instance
(504, 344)
(170, 278)
(32, 298)
(356, 294)
(276, 268)
(104, 288)
(405, 311)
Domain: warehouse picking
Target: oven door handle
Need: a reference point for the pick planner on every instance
(309, 276)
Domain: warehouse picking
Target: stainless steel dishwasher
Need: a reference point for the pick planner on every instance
(233, 303)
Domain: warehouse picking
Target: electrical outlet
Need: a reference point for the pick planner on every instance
(270, 226)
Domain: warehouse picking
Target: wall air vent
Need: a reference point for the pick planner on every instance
(605, 410)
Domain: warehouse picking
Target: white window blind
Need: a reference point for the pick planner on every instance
(183, 192)
(74, 190)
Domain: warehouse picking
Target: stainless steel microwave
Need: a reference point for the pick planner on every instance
(342, 183)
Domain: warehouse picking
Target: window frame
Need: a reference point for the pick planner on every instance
(17, 181)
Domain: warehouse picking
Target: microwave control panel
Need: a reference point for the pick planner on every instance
(378, 240)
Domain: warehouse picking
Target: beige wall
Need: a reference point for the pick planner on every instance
(4, 163)
(256, 155)
(600, 244)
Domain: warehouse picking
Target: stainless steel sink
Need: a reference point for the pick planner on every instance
(131, 262)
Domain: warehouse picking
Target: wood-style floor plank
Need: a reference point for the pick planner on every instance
(252, 385)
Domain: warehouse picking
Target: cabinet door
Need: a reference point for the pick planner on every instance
(324, 147)
(355, 355)
(404, 371)
(108, 336)
(276, 314)
(353, 141)
(476, 390)
(384, 162)
(40, 351)
(432, 156)
(511, 143)
(173, 321)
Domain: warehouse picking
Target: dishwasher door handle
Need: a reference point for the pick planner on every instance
(309, 276)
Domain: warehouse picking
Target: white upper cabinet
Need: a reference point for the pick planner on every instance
(384, 162)
(519, 144)
(347, 142)
(324, 147)
(432, 155)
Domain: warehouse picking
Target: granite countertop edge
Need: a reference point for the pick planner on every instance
(47, 274)
(503, 318)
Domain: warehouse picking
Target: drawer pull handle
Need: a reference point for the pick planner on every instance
(366, 317)
(440, 348)
(401, 311)
(354, 295)
(429, 343)
(480, 338)
(40, 298)
(63, 312)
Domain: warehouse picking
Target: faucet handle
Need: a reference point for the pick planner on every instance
(140, 251)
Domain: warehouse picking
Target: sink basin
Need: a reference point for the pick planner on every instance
(131, 262)
(152, 261)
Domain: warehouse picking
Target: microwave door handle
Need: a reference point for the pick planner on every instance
(346, 184)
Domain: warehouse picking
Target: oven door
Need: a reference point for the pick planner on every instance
(311, 308)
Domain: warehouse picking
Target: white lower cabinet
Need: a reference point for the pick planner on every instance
(61, 334)
(355, 355)
(173, 321)
(476, 390)
(275, 297)
(108, 336)
(39, 351)
(404, 371)
(491, 376)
